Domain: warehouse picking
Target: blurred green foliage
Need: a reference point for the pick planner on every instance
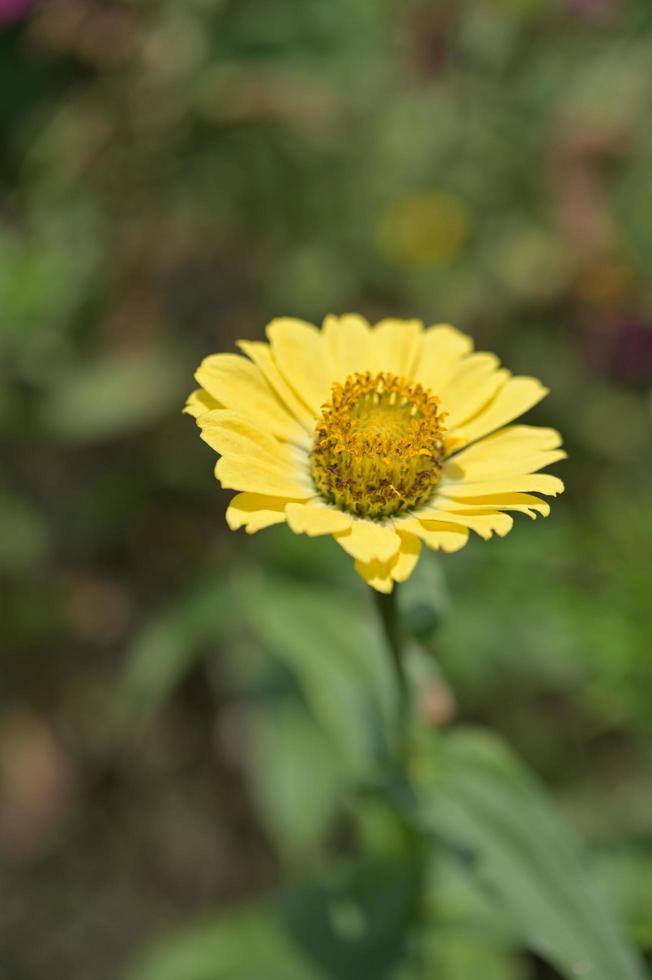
(185, 721)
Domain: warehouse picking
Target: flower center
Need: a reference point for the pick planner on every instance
(378, 446)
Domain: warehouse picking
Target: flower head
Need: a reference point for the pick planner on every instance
(378, 446)
(386, 437)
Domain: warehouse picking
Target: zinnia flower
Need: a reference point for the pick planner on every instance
(386, 437)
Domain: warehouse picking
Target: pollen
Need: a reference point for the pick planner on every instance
(379, 445)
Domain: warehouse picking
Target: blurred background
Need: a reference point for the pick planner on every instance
(172, 176)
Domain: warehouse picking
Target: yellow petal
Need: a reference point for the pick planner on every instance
(517, 396)
(405, 561)
(534, 483)
(494, 469)
(521, 503)
(518, 449)
(442, 349)
(375, 573)
(381, 575)
(252, 459)
(257, 474)
(473, 385)
(350, 341)
(513, 437)
(228, 432)
(304, 359)
(239, 385)
(199, 402)
(485, 525)
(253, 511)
(445, 536)
(261, 354)
(366, 540)
(315, 518)
(396, 346)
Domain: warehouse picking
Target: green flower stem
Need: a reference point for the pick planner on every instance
(401, 796)
(389, 616)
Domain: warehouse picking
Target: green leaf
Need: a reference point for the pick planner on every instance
(337, 656)
(167, 647)
(476, 796)
(458, 956)
(626, 871)
(351, 923)
(288, 749)
(356, 921)
(114, 395)
(247, 945)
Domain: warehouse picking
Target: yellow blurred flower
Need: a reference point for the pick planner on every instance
(424, 229)
(386, 437)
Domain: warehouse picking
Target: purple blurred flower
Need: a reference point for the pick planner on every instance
(621, 348)
(592, 10)
(13, 10)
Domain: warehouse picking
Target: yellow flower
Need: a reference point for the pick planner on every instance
(387, 437)
(425, 229)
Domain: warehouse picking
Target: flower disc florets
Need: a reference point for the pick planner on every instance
(378, 447)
